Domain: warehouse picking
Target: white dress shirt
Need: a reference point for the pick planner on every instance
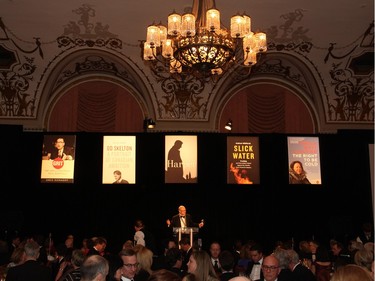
(255, 271)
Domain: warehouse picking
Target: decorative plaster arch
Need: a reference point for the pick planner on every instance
(92, 65)
(279, 70)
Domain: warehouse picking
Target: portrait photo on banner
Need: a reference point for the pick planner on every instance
(119, 160)
(58, 158)
(304, 160)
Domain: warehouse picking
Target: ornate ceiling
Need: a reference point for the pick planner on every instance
(321, 51)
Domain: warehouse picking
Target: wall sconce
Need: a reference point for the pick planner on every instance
(148, 123)
(228, 126)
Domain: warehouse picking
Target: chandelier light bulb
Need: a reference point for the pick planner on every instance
(202, 48)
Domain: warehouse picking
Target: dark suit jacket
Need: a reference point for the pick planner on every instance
(30, 270)
(227, 275)
(122, 181)
(302, 273)
(175, 221)
(142, 275)
(179, 271)
(284, 275)
(67, 150)
(186, 257)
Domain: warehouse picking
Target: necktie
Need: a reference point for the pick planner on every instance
(256, 263)
(216, 266)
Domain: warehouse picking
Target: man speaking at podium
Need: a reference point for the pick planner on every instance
(182, 219)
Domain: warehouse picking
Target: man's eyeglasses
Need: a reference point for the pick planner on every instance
(272, 268)
(129, 265)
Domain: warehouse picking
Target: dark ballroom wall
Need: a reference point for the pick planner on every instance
(270, 211)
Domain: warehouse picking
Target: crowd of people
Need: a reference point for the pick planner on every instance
(30, 259)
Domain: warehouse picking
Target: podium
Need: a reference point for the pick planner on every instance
(185, 230)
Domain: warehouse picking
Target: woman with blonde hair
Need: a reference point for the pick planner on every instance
(201, 266)
(145, 259)
(364, 258)
(351, 272)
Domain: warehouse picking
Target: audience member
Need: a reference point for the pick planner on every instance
(160, 260)
(339, 255)
(237, 245)
(304, 250)
(4, 252)
(164, 275)
(170, 243)
(144, 259)
(173, 259)
(85, 247)
(61, 263)
(69, 241)
(226, 260)
(128, 244)
(214, 252)
(299, 271)
(115, 268)
(283, 258)
(189, 277)
(14, 242)
(351, 272)
(369, 246)
(353, 247)
(364, 258)
(366, 234)
(18, 255)
(74, 274)
(98, 246)
(321, 264)
(254, 267)
(31, 269)
(39, 238)
(244, 259)
(147, 237)
(94, 268)
(186, 249)
(240, 278)
(130, 265)
(270, 269)
(200, 265)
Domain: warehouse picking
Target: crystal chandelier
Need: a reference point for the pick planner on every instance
(197, 42)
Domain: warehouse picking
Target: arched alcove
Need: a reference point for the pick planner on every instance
(95, 91)
(281, 95)
(267, 108)
(96, 106)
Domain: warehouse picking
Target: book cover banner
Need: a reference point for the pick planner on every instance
(181, 156)
(243, 160)
(119, 159)
(58, 157)
(304, 160)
